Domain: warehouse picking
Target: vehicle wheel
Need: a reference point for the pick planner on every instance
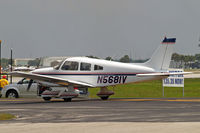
(105, 98)
(67, 99)
(47, 98)
(12, 94)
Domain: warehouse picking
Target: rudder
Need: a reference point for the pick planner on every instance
(161, 58)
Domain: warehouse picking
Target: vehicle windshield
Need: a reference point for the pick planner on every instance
(58, 66)
(25, 81)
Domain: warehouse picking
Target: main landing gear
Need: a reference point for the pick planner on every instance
(104, 93)
(47, 98)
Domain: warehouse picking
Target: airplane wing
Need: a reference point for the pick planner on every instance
(50, 79)
(162, 74)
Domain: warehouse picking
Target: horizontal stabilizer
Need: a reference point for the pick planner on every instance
(165, 74)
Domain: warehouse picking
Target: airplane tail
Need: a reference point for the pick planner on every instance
(161, 58)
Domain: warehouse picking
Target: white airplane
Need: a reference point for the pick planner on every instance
(24, 68)
(79, 72)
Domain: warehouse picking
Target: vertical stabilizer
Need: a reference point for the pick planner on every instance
(161, 58)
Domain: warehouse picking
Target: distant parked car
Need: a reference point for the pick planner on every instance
(19, 89)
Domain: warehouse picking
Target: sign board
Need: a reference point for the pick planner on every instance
(174, 80)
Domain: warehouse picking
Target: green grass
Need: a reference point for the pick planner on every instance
(5, 116)
(153, 89)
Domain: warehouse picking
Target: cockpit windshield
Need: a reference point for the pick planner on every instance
(58, 66)
(70, 65)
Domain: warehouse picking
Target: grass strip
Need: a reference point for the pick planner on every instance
(5, 116)
(153, 89)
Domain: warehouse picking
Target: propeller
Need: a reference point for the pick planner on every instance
(29, 84)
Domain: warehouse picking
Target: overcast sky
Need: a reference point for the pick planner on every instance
(36, 28)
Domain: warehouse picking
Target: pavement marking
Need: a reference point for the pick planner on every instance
(185, 100)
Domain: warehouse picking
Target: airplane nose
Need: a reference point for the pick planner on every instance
(42, 70)
(35, 71)
(39, 70)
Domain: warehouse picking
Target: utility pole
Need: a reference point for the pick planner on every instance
(11, 64)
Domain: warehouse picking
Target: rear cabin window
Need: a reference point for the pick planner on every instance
(97, 67)
(70, 65)
(85, 66)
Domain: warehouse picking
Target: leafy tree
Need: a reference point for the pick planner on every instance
(197, 57)
(125, 59)
(176, 57)
(5, 62)
(109, 58)
(91, 56)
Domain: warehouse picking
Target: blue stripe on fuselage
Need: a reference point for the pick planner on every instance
(86, 74)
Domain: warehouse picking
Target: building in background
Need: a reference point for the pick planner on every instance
(29, 64)
(22, 61)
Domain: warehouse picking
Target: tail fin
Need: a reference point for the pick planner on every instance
(161, 58)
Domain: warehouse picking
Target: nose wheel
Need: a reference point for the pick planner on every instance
(47, 98)
(104, 93)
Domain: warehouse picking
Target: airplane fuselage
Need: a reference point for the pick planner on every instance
(82, 72)
(100, 72)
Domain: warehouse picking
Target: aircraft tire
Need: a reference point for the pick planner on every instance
(47, 98)
(67, 99)
(105, 98)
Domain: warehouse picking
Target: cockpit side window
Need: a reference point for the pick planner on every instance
(85, 66)
(97, 67)
(70, 65)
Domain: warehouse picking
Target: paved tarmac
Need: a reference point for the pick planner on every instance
(102, 127)
(94, 116)
(115, 115)
(94, 110)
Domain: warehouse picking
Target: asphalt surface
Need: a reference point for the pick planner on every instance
(94, 110)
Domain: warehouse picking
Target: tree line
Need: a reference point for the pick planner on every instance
(179, 59)
(186, 61)
(125, 59)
